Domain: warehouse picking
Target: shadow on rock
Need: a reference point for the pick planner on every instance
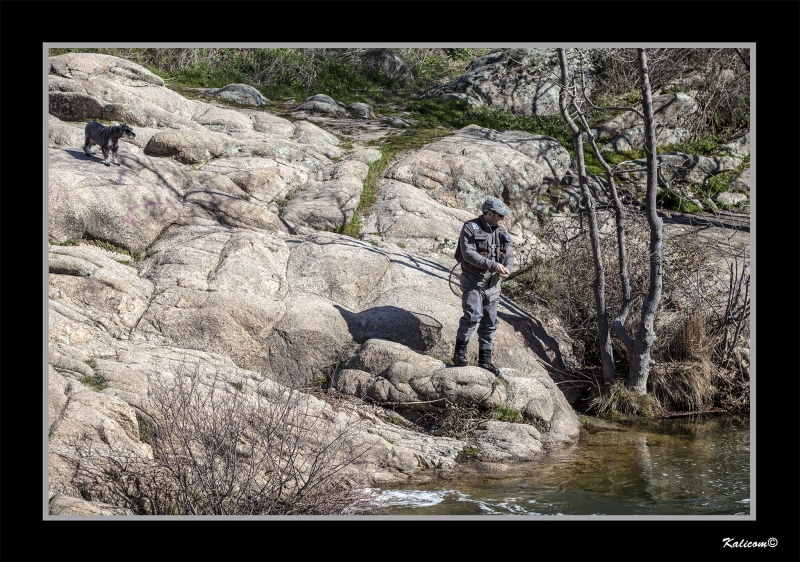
(414, 330)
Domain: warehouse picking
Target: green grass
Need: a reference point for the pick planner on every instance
(145, 431)
(70, 242)
(671, 200)
(376, 169)
(95, 382)
(505, 414)
(707, 145)
(394, 419)
(456, 113)
(470, 450)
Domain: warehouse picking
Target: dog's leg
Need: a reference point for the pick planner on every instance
(105, 154)
(114, 150)
(86, 146)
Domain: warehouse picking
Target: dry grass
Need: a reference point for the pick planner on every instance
(617, 402)
(683, 386)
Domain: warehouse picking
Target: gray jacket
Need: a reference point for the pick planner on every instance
(481, 247)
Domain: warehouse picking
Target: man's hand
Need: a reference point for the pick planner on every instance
(502, 270)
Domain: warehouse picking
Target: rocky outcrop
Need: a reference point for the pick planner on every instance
(212, 246)
(461, 170)
(521, 81)
(671, 111)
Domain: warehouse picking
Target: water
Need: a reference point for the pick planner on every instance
(682, 466)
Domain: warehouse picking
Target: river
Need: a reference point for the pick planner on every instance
(694, 465)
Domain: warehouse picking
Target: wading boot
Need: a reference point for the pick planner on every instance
(460, 354)
(485, 361)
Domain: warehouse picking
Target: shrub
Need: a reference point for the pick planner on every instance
(702, 323)
(262, 450)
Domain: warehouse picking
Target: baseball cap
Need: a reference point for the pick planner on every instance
(494, 204)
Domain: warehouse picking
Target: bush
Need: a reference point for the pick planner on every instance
(702, 324)
(261, 450)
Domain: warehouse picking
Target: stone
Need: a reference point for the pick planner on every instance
(242, 94)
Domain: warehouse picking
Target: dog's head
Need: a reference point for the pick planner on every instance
(122, 130)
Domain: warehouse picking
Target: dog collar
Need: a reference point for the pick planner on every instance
(112, 135)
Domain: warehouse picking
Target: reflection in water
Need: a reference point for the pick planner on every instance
(683, 466)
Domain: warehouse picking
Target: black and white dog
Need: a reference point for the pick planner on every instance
(107, 138)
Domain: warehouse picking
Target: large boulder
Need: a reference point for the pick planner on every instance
(406, 214)
(89, 85)
(320, 104)
(522, 81)
(674, 111)
(393, 374)
(330, 203)
(111, 293)
(337, 268)
(113, 204)
(219, 289)
(462, 170)
(91, 66)
(242, 94)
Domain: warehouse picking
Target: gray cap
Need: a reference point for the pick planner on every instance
(494, 204)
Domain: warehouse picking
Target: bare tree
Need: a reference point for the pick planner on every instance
(606, 352)
(638, 347)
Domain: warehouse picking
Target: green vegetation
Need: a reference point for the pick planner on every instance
(95, 382)
(145, 431)
(505, 414)
(71, 242)
(470, 450)
(707, 145)
(137, 256)
(669, 199)
(376, 169)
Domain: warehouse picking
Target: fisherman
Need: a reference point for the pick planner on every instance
(486, 256)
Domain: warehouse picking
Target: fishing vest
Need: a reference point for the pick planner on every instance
(491, 245)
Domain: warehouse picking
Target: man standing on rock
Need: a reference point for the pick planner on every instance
(486, 255)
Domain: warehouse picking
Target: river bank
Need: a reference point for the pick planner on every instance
(694, 465)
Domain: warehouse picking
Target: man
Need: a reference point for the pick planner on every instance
(486, 256)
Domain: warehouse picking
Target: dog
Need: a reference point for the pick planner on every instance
(107, 138)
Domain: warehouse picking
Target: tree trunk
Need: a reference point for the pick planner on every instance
(622, 251)
(640, 361)
(599, 285)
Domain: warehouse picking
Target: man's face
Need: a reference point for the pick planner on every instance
(493, 219)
